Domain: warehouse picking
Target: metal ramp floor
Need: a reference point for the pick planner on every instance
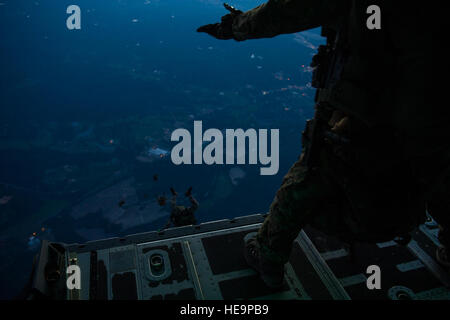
(205, 262)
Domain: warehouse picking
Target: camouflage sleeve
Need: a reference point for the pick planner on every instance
(284, 16)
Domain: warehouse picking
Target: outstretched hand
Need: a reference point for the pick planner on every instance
(222, 30)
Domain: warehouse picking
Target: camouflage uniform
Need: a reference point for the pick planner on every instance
(396, 165)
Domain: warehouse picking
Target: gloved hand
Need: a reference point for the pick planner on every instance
(340, 122)
(222, 30)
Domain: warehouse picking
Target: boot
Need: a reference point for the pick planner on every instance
(271, 273)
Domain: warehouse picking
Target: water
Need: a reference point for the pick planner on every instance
(86, 117)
